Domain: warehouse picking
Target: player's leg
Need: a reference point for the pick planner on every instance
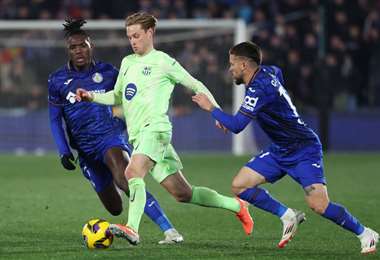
(100, 179)
(135, 172)
(117, 160)
(168, 173)
(318, 200)
(309, 173)
(111, 199)
(149, 147)
(246, 183)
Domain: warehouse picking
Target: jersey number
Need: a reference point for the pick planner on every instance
(283, 93)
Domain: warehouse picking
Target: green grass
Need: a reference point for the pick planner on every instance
(43, 209)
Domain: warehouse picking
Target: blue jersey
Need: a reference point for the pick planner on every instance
(267, 101)
(87, 124)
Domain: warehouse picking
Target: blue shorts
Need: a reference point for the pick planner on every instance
(305, 166)
(93, 165)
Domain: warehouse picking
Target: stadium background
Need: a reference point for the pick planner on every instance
(330, 60)
(334, 80)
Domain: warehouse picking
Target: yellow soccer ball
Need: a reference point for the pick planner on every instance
(96, 234)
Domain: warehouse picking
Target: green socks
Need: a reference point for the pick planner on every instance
(137, 201)
(209, 198)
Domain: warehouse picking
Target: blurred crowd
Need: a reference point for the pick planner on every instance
(342, 69)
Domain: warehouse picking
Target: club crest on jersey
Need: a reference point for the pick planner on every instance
(130, 91)
(97, 77)
(147, 70)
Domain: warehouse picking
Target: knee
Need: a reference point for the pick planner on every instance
(115, 211)
(183, 196)
(130, 172)
(237, 188)
(122, 183)
(318, 206)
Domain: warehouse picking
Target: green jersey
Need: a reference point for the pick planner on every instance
(143, 88)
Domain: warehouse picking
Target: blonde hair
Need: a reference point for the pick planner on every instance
(146, 20)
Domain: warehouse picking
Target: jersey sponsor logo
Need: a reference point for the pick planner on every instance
(146, 71)
(71, 97)
(250, 102)
(130, 91)
(97, 77)
(67, 82)
(98, 91)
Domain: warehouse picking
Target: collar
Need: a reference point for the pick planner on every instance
(254, 75)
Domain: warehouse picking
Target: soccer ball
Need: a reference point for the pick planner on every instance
(96, 234)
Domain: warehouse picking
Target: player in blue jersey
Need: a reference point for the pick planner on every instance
(97, 136)
(295, 151)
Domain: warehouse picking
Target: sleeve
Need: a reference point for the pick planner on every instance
(109, 98)
(234, 123)
(55, 119)
(278, 73)
(178, 74)
(255, 99)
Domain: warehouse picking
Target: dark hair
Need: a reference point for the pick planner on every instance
(146, 20)
(248, 50)
(73, 26)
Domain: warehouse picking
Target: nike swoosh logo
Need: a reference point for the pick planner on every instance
(132, 199)
(316, 165)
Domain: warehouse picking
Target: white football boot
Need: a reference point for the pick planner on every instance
(172, 236)
(368, 240)
(290, 221)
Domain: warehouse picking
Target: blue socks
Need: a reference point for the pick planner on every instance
(336, 213)
(263, 200)
(339, 215)
(155, 213)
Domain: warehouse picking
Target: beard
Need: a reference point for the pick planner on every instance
(239, 81)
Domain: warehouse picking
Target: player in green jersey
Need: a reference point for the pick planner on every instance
(143, 88)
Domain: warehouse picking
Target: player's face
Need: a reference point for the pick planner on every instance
(79, 50)
(140, 40)
(236, 69)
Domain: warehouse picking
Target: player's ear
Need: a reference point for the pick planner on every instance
(91, 44)
(150, 32)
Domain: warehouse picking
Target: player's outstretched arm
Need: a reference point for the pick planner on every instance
(234, 123)
(180, 75)
(107, 98)
(84, 95)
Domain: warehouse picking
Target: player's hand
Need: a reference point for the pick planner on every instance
(220, 126)
(203, 102)
(68, 161)
(82, 94)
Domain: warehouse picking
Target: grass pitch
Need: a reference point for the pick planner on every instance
(43, 209)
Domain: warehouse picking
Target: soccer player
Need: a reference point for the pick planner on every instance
(144, 85)
(296, 149)
(97, 136)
